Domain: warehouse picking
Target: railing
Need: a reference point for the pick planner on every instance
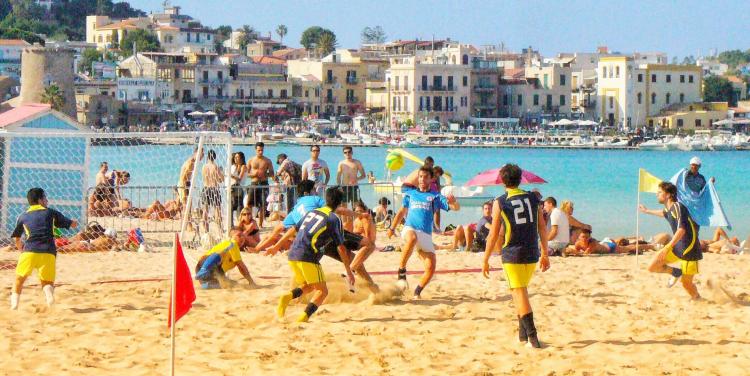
(484, 87)
(330, 99)
(331, 80)
(436, 88)
(351, 80)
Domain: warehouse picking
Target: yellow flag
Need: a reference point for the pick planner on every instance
(647, 182)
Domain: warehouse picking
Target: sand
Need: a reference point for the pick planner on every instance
(595, 315)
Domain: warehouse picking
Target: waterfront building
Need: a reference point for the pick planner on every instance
(690, 116)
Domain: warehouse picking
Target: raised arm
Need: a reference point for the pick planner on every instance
(576, 223)
(644, 209)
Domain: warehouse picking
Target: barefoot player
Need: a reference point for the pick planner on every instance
(419, 206)
(684, 247)
(317, 228)
(518, 223)
(39, 251)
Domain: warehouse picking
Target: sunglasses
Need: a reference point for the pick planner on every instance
(316, 150)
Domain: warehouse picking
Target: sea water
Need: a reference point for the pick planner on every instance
(602, 184)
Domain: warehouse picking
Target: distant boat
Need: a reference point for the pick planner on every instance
(718, 143)
(652, 145)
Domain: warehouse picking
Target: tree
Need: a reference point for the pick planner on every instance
(224, 30)
(373, 35)
(54, 97)
(688, 60)
(248, 35)
(27, 9)
(91, 55)
(734, 58)
(281, 30)
(143, 40)
(326, 43)
(310, 36)
(717, 89)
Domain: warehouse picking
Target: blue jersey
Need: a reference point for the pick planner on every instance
(38, 223)
(519, 210)
(689, 247)
(304, 205)
(317, 229)
(422, 206)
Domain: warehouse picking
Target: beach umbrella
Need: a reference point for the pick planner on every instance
(492, 177)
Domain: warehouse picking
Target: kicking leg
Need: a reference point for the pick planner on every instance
(689, 286)
(319, 295)
(410, 239)
(429, 270)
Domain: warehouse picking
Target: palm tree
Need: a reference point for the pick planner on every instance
(54, 97)
(248, 35)
(281, 30)
(326, 43)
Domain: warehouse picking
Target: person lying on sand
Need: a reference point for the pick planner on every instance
(223, 257)
(721, 243)
(586, 245)
(107, 241)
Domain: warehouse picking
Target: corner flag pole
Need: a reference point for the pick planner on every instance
(637, 222)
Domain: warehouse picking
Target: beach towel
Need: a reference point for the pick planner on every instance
(704, 206)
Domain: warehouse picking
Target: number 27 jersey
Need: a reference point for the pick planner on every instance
(518, 210)
(316, 229)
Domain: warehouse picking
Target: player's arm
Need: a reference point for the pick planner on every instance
(288, 235)
(678, 235)
(541, 226)
(62, 221)
(339, 171)
(16, 235)
(644, 209)
(492, 237)
(396, 221)
(245, 273)
(453, 203)
(328, 174)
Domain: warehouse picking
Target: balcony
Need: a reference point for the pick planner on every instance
(351, 80)
(330, 100)
(485, 106)
(331, 80)
(484, 88)
(352, 100)
(437, 88)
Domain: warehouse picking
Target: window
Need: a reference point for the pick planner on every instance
(205, 92)
(617, 72)
(653, 98)
(427, 103)
(604, 72)
(205, 76)
(562, 100)
(611, 102)
(536, 99)
(653, 78)
(398, 103)
(270, 93)
(668, 97)
(682, 78)
(396, 82)
(640, 98)
(546, 77)
(283, 93)
(437, 103)
(437, 81)
(562, 80)
(549, 101)
(520, 99)
(466, 81)
(197, 37)
(640, 77)
(393, 105)
(307, 93)
(680, 123)
(208, 36)
(690, 78)
(698, 123)
(424, 82)
(505, 99)
(450, 82)
(188, 37)
(219, 93)
(611, 72)
(421, 103)
(406, 81)
(682, 98)
(669, 78)
(406, 102)
(329, 77)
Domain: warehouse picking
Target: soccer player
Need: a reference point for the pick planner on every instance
(317, 228)
(518, 224)
(419, 207)
(39, 251)
(220, 259)
(684, 247)
(308, 201)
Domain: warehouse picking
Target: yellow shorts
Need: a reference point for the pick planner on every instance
(687, 267)
(518, 275)
(44, 263)
(306, 273)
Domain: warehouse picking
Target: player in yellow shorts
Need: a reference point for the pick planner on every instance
(518, 223)
(316, 229)
(684, 249)
(38, 252)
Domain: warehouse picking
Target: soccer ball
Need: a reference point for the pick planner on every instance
(402, 284)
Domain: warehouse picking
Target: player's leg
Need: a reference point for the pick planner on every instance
(659, 263)
(409, 237)
(429, 260)
(363, 246)
(689, 270)
(518, 277)
(46, 268)
(469, 237)
(459, 238)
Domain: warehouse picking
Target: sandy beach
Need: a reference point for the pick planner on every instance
(596, 315)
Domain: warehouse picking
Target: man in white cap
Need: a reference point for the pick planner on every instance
(694, 180)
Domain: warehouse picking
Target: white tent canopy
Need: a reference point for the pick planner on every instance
(210, 113)
(563, 122)
(587, 123)
(196, 113)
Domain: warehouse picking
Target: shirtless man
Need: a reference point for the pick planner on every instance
(211, 195)
(348, 175)
(186, 172)
(101, 176)
(260, 169)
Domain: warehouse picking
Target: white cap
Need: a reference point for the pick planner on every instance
(695, 161)
(110, 232)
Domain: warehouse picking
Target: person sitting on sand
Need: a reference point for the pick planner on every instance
(157, 211)
(575, 225)
(223, 257)
(586, 245)
(248, 228)
(474, 235)
(383, 215)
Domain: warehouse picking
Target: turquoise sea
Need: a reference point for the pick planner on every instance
(601, 183)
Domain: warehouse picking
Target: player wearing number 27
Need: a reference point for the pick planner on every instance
(518, 224)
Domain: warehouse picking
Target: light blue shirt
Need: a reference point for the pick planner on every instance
(422, 207)
(304, 205)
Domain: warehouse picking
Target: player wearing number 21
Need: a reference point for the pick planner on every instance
(518, 224)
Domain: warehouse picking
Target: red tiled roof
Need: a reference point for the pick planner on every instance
(14, 42)
(268, 60)
(22, 112)
(735, 79)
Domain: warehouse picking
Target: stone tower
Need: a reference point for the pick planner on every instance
(43, 66)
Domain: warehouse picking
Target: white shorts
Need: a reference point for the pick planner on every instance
(424, 240)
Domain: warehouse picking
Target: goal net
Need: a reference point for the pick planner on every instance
(134, 185)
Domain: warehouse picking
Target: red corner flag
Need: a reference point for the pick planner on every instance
(182, 285)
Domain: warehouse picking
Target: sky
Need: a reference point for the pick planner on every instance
(679, 28)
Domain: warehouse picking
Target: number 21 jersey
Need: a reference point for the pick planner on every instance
(518, 210)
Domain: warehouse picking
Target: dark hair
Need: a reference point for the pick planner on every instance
(384, 201)
(103, 164)
(427, 170)
(586, 231)
(551, 200)
(487, 203)
(429, 160)
(211, 155)
(669, 189)
(511, 175)
(261, 144)
(282, 155)
(348, 148)
(334, 197)
(437, 170)
(361, 204)
(242, 157)
(305, 187)
(314, 146)
(35, 195)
